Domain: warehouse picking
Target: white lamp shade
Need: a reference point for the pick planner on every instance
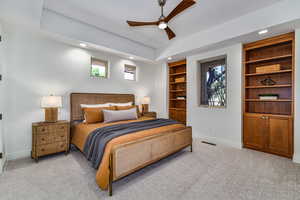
(51, 102)
(146, 100)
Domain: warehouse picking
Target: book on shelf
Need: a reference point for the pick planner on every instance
(268, 96)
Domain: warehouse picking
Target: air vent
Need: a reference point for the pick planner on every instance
(209, 143)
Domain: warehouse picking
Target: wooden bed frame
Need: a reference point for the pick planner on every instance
(129, 157)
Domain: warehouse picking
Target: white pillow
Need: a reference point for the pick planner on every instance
(121, 104)
(119, 115)
(95, 105)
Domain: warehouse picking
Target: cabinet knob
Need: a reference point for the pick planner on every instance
(43, 149)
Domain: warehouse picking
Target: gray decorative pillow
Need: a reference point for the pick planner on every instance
(119, 115)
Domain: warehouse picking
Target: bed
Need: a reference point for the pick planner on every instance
(128, 153)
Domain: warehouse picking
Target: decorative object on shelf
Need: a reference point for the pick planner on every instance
(213, 82)
(145, 104)
(268, 81)
(181, 97)
(51, 104)
(268, 96)
(268, 68)
(180, 79)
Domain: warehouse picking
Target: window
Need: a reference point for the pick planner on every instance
(130, 72)
(99, 68)
(213, 83)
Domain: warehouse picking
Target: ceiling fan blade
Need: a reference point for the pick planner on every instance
(133, 23)
(179, 8)
(170, 33)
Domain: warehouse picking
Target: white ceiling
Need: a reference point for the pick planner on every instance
(111, 16)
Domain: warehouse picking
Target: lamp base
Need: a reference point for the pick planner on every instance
(51, 115)
(145, 108)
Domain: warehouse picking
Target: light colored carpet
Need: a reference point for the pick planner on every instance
(209, 173)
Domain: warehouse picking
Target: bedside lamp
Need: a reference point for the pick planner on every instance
(145, 104)
(51, 105)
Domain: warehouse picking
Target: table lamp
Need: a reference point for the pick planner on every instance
(51, 104)
(145, 104)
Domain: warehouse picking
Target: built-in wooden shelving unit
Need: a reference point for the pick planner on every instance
(177, 91)
(268, 122)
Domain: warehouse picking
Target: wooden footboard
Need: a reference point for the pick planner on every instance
(130, 157)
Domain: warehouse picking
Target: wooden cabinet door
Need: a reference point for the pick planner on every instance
(280, 137)
(255, 130)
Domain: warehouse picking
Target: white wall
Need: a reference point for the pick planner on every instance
(218, 125)
(2, 100)
(40, 66)
(297, 102)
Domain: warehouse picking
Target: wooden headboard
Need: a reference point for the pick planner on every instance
(95, 98)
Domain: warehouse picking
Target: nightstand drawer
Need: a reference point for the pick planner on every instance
(150, 114)
(44, 139)
(61, 128)
(60, 137)
(42, 130)
(51, 148)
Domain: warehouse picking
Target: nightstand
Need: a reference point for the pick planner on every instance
(150, 114)
(50, 138)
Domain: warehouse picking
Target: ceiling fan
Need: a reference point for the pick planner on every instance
(162, 22)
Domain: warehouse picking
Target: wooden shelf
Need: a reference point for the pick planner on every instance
(177, 109)
(268, 114)
(277, 100)
(268, 86)
(175, 74)
(277, 72)
(177, 99)
(177, 82)
(177, 91)
(267, 123)
(269, 59)
(181, 63)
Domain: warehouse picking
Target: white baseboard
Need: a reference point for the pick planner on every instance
(19, 154)
(221, 141)
(296, 158)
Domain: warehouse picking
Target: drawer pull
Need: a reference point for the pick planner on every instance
(42, 149)
(62, 146)
(62, 136)
(43, 129)
(62, 127)
(43, 139)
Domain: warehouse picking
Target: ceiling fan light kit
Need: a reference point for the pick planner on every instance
(162, 22)
(162, 25)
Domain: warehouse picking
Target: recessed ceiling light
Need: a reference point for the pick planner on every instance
(131, 57)
(170, 58)
(263, 32)
(83, 45)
